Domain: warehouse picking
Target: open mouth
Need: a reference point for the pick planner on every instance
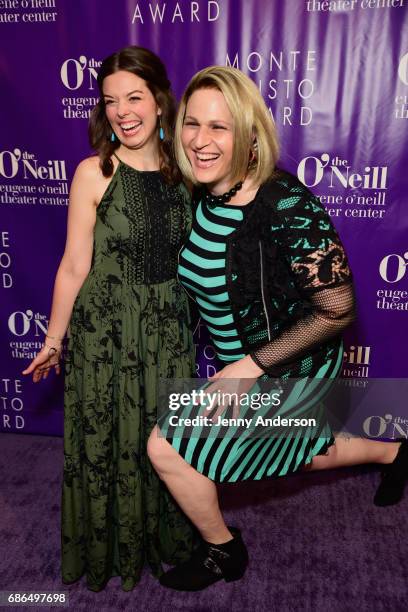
(130, 128)
(205, 160)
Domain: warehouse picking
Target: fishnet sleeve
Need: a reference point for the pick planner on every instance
(318, 265)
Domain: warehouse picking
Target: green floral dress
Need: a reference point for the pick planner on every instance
(130, 326)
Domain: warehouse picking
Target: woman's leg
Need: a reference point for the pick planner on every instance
(196, 494)
(354, 451)
(222, 554)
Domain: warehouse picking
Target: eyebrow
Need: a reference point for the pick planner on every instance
(191, 117)
(128, 94)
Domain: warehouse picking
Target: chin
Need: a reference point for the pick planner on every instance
(204, 177)
(203, 180)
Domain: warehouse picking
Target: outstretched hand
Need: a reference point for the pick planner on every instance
(46, 359)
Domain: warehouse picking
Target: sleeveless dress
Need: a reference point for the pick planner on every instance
(235, 453)
(130, 326)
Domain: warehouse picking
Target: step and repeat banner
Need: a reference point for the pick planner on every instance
(334, 74)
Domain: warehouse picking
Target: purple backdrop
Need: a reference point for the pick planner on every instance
(335, 76)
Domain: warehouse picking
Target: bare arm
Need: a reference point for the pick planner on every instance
(75, 263)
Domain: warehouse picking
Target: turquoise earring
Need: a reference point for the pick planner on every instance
(161, 131)
(113, 137)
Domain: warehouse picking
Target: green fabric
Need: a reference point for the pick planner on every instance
(116, 513)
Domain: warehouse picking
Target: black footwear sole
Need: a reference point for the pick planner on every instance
(388, 495)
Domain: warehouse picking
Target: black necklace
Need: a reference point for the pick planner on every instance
(213, 200)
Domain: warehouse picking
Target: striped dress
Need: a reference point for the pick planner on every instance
(231, 453)
(202, 272)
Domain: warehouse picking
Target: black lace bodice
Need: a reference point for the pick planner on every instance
(141, 226)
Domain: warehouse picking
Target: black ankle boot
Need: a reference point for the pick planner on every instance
(393, 480)
(209, 563)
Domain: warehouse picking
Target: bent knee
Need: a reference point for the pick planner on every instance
(158, 449)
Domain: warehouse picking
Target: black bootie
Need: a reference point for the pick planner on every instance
(209, 563)
(393, 480)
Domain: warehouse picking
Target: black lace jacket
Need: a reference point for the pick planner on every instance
(288, 279)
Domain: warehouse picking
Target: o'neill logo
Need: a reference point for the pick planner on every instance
(21, 323)
(393, 268)
(311, 171)
(27, 164)
(386, 426)
(361, 190)
(43, 182)
(76, 72)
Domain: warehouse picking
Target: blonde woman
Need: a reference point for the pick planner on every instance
(271, 281)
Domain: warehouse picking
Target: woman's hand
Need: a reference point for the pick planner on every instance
(235, 378)
(47, 358)
(243, 368)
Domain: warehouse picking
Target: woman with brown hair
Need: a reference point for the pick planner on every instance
(129, 325)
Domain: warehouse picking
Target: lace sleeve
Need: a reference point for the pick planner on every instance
(318, 266)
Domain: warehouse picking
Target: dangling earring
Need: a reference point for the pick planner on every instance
(113, 137)
(161, 131)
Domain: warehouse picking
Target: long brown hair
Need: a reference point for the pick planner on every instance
(149, 67)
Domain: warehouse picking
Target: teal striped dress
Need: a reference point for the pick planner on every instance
(202, 271)
(232, 454)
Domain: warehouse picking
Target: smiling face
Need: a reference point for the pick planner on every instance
(207, 137)
(131, 109)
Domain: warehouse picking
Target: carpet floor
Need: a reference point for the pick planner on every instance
(316, 542)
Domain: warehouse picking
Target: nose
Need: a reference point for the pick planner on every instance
(202, 137)
(122, 108)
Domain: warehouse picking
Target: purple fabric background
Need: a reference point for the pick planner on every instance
(335, 75)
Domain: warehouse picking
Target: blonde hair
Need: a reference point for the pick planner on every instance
(252, 123)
